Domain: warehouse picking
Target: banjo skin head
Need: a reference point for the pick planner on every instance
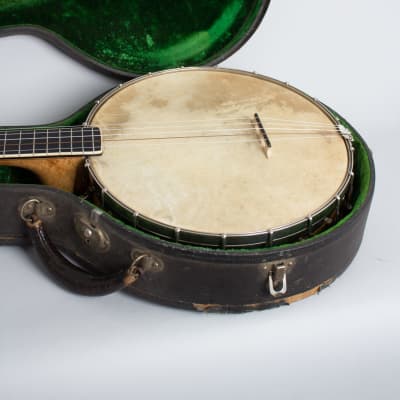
(183, 149)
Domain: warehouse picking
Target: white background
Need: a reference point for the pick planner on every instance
(342, 344)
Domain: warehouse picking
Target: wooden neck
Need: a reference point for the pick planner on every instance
(50, 142)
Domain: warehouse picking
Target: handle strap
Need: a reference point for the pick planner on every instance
(73, 277)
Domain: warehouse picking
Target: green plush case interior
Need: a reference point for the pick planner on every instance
(133, 37)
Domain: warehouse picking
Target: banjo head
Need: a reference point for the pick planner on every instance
(219, 157)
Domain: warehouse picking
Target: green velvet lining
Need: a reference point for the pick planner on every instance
(77, 118)
(139, 36)
(17, 175)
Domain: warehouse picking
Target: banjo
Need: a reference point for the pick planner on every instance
(206, 157)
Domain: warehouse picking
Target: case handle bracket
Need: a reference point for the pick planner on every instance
(78, 276)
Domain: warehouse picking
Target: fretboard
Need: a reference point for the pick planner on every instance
(50, 142)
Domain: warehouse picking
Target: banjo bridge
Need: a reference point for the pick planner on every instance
(265, 141)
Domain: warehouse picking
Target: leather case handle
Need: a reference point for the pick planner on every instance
(76, 278)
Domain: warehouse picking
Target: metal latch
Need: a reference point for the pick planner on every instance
(277, 272)
(277, 280)
(90, 232)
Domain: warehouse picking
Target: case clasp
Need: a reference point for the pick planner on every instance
(90, 232)
(277, 279)
(277, 271)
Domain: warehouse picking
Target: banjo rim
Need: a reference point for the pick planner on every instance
(278, 235)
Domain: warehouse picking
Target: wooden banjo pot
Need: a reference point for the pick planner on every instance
(215, 158)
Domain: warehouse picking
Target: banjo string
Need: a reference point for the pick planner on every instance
(244, 119)
(199, 124)
(317, 133)
(110, 131)
(239, 125)
(174, 140)
(83, 150)
(212, 126)
(156, 142)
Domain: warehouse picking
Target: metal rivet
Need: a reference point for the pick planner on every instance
(310, 224)
(135, 216)
(223, 240)
(270, 237)
(87, 233)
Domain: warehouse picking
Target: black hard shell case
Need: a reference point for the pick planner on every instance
(115, 256)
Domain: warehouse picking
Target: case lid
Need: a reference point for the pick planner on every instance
(127, 38)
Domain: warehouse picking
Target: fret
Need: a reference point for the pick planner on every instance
(20, 140)
(47, 141)
(3, 139)
(26, 143)
(77, 140)
(87, 141)
(65, 140)
(82, 137)
(97, 140)
(83, 142)
(40, 141)
(11, 142)
(34, 142)
(71, 146)
(5, 143)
